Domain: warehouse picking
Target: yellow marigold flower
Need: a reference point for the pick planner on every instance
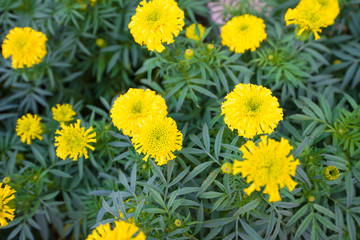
(121, 231)
(155, 22)
(251, 110)
(226, 168)
(267, 164)
(312, 15)
(73, 140)
(63, 113)
(130, 109)
(243, 32)
(330, 173)
(190, 31)
(25, 46)
(29, 127)
(158, 138)
(6, 194)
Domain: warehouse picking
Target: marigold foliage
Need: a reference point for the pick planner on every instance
(130, 109)
(25, 46)
(121, 231)
(158, 138)
(252, 110)
(6, 213)
(190, 31)
(63, 113)
(268, 164)
(312, 15)
(29, 127)
(73, 140)
(156, 22)
(242, 33)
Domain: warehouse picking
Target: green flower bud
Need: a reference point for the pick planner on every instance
(189, 54)
(330, 173)
(178, 223)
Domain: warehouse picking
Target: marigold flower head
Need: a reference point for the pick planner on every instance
(190, 31)
(6, 213)
(63, 113)
(158, 138)
(268, 164)
(25, 46)
(330, 173)
(121, 231)
(226, 168)
(130, 109)
(29, 127)
(73, 140)
(312, 15)
(242, 33)
(156, 22)
(251, 110)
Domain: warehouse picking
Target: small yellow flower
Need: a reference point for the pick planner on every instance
(73, 140)
(63, 113)
(251, 110)
(312, 15)
(130, 220)
(178, 223)
(29, 127)
(6, 180)
(121, 231)
(158, 138)
(190, 31)
(189, 54)
(100, 42)
(330, 173)
(226, 168)
(130, 109)
(268, 164)
(25, 46)
(156, 22)
(242, 33)
(6, 195)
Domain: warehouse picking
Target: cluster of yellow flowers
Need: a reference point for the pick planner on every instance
(252, 110)
(158, 21)
(71, 141)
(141, 114)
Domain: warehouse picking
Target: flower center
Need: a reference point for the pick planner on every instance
(74, 141)
(137, 108)
(253, 106)
(323, 2)
(243, 27)
(154, 18)
(21, 43)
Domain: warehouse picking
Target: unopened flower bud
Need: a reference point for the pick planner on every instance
(189, 54)
(330, 173)
(6, 180)
(100, 42)
(178, 223)
(226, 168)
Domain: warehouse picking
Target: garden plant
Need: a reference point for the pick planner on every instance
(179, 119)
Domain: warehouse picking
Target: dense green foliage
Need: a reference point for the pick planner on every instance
(317, 84)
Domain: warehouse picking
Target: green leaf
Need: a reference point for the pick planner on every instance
(303, 226)
(60, 173)
(197, 170)
(247, 207)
